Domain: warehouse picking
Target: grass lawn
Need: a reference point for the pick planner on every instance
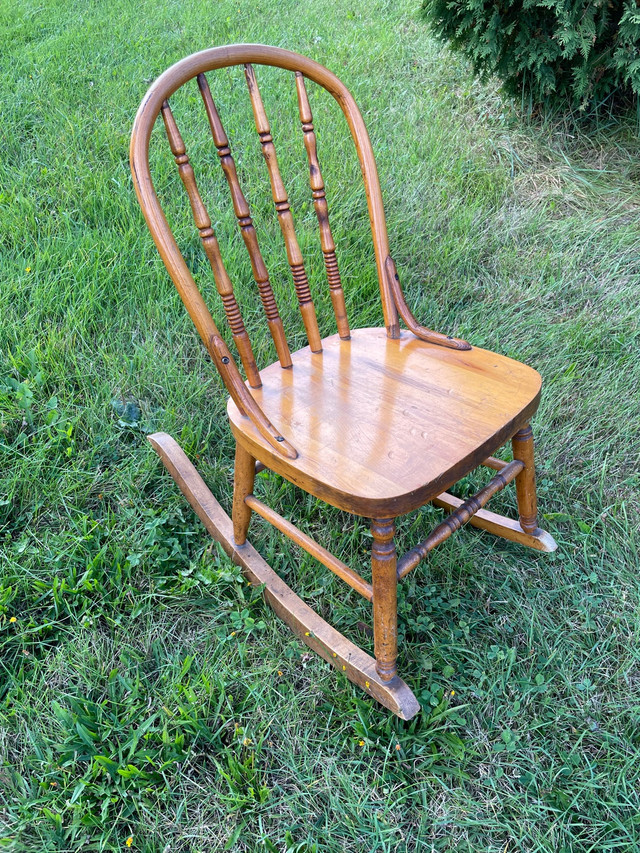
(147, 696)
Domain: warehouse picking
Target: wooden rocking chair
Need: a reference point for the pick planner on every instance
(375, 421)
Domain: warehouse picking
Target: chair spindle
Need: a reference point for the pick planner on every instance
(247, 229)
(322, 210)
(285, 217)
(211, 248)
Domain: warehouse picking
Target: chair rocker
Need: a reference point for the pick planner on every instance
(374, 421)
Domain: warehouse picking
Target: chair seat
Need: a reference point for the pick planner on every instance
(382, 426)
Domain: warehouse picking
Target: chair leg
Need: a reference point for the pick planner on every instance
(522, 443)
(525, 531)
(341, 653)
(243, 476)
(385, 596)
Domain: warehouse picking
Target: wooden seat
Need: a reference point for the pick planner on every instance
(376, 421)
(383, 425)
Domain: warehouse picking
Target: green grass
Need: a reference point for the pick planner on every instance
(145, 689)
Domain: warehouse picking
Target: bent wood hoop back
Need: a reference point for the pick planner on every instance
(155, 103)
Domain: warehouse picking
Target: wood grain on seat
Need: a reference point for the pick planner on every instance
(382, 425)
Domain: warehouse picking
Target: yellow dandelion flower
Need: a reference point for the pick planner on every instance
(280, 672)
(233, 633)
(129, 841)
(13, 619)
(366, 684)
(307, 634)
(344, 667)
(360, 743)
(27, 269)
(453, 693)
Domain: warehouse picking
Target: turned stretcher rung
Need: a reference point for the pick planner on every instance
(495, 463)
(311, 547)
(459, 517)
(500, 525)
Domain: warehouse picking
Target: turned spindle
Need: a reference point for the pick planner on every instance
(245, 223)
(522, 444)
(211, 248)
(285, 217)
(322, 210)
(385, 594)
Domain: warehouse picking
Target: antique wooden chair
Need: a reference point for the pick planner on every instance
(375, 421)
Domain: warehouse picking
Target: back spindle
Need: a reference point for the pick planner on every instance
(285, 216)
(322, 210)
(211, 248)
(243, 215)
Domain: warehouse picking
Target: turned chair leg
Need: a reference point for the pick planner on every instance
(243, 476)
(522, 443)
(385, 596)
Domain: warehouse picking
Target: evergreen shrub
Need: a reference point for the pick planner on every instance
(567, 53)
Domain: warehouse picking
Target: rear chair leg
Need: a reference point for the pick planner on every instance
(385, 597)
(243, 476)
(526, 530)
(522, 443)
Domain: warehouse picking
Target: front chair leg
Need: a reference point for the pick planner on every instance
(243, 476)
(522, 443)
(385, 596)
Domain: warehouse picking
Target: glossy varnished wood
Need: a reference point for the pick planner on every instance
(244, 402)
(383, 425)
(522, 444)
(312, 630)
(241, 54)
(244, 474)
(322, 209)
(500, 525)
(211, 248)
(384, 581)
(311, 547)
(461, 515)
(285, 217)
(245, 223)
(418, 330)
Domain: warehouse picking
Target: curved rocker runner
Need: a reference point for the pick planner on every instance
(374, 421)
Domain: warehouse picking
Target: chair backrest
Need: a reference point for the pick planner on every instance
(156, 102)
